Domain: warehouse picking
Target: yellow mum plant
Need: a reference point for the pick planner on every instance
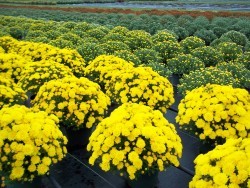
(77, 102)
(134, 140)
(36, 74)
(101, 69)
(215, 113)
(13, 64)
(32, 51)
(141, 85)
(228, 165)
(30, 142)
(10, 93)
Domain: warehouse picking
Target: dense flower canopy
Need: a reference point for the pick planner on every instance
(29, 143)
(216, 112)
(228, 165)
(77, 102)
(134, 140)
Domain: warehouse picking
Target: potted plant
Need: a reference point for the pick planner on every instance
(141, 85)
(183, 64)
(30, 143)
(230, 50)
(190, 43)
(214, 113)
(239, 72)
(137, 142)
(204, 76)
(36, 74)
(225, 166)
(102, 67)
(78, 103)
(208, 55)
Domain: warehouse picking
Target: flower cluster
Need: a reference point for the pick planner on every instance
(12, 63)
(225, 166)
(101, 69)
(190, 43)
(36, 74)
(229, 50)
(141, 85)
(77, 102)
(137, 39)
(244, 59)
(128, 56)
(215, 112)
(167, 49)
(184, 63)
(32, 51)
(239, 72)
(208, 55)
(164, 36)
(30, 142)
(10, 93)
(205, 76)
(135, 140)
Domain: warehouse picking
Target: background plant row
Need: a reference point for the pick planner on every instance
(183, 26)
(92, 40)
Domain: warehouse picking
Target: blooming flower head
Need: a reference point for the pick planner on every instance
(135, 139)
(225, 166)
(36, 74)
(26, 138)
(75, 101)
(215, 112)
(141, 85)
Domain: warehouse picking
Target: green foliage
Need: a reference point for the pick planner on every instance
(207, 35)
(190, 43)
(128, 56)
(247, 47)
(96, 33)
(137, 39)
(114, 37)
(75, 39)
(217, 41)
(244, 59)
(110, 47)
(229, 50)
(61, 43)
(208, 55)
(180, 32)
(203, 76)
(184, 63)
(218, 31)
(236, 37)
(40, 39)
(164, 35)
(201, 22)
(33, 34)
(167, 49)
(69, 25)
(16, 32)
(160, 68)
(148, 56)
(89, 51)
(238, 71)
(52, 34)
(119, 30)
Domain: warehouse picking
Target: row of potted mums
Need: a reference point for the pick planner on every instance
(134, 139)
